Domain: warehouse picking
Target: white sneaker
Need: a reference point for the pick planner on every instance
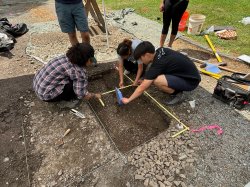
(126, 72)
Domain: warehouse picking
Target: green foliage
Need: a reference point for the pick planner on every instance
(220, 13)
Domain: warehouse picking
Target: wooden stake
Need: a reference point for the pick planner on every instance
(102, 102)
(66, 133)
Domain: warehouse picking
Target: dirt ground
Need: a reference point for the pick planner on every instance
(127, 134)
(92, 155)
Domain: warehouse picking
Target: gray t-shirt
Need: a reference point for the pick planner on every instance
(135, 43)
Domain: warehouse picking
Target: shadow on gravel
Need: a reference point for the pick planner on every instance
(7, 54)
(202, 55)
(12, 8)
(13, 88)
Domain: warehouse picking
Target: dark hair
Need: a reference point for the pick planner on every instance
(143, 48)
(124, 48)
(80, 53)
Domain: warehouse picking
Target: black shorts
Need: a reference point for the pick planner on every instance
(67, 94)
(181, 84)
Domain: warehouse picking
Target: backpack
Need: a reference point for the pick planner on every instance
(14, 30)
(8, 32)
(7, 41)
(242, 77)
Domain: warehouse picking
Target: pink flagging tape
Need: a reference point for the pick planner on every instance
(209, 127)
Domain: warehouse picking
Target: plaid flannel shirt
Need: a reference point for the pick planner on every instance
(49, 82)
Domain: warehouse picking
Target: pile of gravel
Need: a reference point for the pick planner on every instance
(165, 161)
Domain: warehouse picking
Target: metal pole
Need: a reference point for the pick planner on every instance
(105, 21)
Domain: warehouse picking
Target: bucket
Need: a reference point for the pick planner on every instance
(183, 22)
(195, 23)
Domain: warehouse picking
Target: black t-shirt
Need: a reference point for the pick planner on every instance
(169, 62)
(69, 1)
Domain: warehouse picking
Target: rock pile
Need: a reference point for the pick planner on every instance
(165, 161)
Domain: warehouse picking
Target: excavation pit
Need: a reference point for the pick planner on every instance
(127, 125)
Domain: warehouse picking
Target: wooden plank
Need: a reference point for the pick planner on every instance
(92, 7)
(98, 12)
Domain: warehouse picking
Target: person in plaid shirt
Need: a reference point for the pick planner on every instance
(65, 77)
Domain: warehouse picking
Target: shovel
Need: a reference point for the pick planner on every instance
(213, 48)
(205, 62)
(211, 68)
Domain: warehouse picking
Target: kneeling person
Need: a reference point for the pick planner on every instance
(65, 77)
(125, 51)
(171, 71)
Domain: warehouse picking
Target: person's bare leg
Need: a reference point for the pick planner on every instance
(72, 38)
(162, 83)
(162, 39)
(85, 37)
(171, 40)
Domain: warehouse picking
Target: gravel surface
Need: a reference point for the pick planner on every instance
(165, 161)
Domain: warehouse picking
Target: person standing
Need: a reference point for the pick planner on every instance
(170, 71)
(172, 11)
(71, 15)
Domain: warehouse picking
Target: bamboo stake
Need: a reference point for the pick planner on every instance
(102, 103)
(178, 133)
(105, 22)
(114, 90)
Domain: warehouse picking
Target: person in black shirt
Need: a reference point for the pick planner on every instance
(172, 12)
(171, 71)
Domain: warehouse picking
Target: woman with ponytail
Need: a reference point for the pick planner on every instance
(126, 60)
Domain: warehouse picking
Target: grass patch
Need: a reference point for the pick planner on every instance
(220, 13)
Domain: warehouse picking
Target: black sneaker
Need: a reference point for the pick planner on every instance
(68, 104)
(175, 99)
